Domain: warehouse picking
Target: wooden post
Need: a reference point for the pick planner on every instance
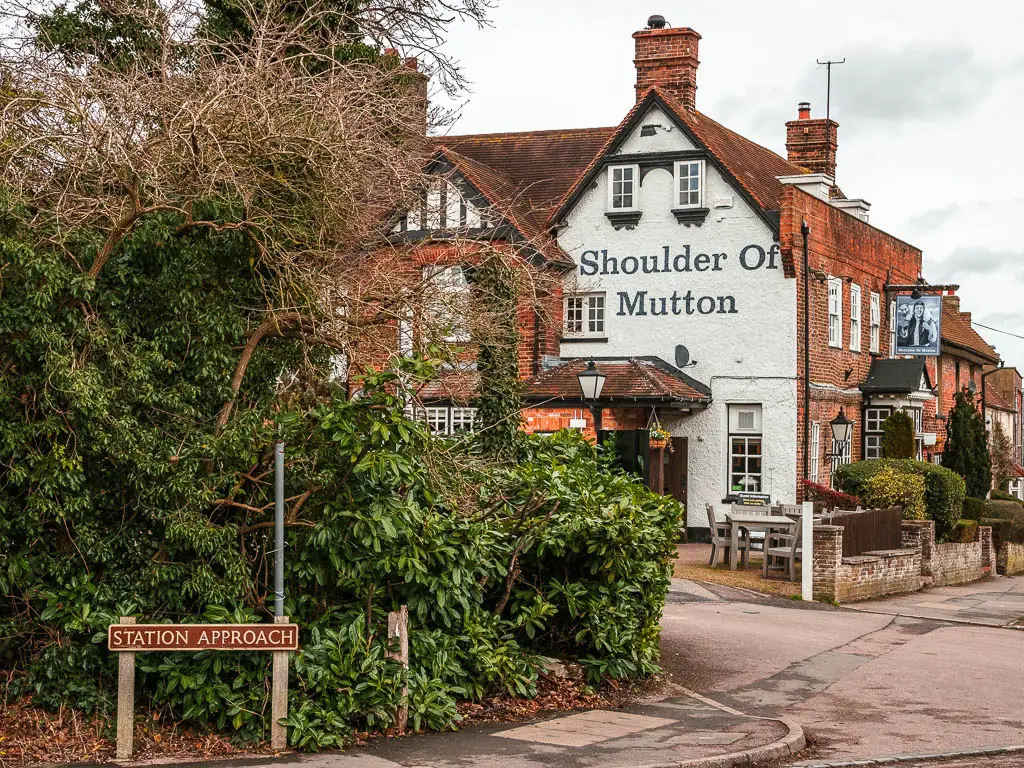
(125, 700)
(398, 629)
(279, 697)
(807, 551)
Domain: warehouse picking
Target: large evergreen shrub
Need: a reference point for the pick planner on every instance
(966, 451)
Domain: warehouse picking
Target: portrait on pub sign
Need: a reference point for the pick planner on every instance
(918, 325)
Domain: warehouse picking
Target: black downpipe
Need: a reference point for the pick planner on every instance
(536, 340)
(805, 230)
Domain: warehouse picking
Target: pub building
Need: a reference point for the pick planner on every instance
(712, 288)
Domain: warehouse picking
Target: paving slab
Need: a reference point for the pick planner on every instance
(659, 733)
(992, 603)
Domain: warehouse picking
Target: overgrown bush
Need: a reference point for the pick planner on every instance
(890, 488)
(944, 489)
(828, 498)
(974, 509)
(556, 555)
(1006, 519)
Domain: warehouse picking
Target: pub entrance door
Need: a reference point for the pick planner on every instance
(677, 464)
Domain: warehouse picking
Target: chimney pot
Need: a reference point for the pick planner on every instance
(804, 110)
(656, 22)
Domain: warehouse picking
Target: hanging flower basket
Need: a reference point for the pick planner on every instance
(659, 437)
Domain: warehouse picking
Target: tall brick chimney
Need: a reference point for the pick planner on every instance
(667, 57)
(812, 143)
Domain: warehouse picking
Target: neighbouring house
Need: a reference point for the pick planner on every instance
(1004, 403)
(735, 297)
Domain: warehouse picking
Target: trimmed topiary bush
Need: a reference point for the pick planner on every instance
(1004, 496)
(898, 437)
(891, 488)
(974, 509)
(944, 489)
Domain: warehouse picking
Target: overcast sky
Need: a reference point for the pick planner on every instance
(929, 105)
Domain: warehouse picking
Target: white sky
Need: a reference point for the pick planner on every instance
(929, 106)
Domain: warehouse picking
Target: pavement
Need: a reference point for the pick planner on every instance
(748, 677)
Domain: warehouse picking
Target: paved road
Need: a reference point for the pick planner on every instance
(862, 684)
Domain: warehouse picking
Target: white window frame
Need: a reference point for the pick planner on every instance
(634, 187)
(815, 458)
(447, 298)
(892, 329)
(447, 420)
(875, 320)
(842, 453)
(874, 417)
(585, 315)
(677, 185)
(835, 312)
(753, 434)
(855, 313)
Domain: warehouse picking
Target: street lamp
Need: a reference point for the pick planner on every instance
(842, 427)
(591, 383)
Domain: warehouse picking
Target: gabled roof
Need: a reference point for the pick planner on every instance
(958, 332)
(753, 169)
(541, 164)
(506, 198)
(897, 376)
(639, 380)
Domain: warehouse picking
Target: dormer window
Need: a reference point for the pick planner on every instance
(690, 184)
(622, 187)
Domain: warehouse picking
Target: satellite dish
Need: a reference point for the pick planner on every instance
(682, 356)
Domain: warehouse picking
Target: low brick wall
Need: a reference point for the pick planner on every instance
(872, 574)
(1011, 558)
(943, 565)
(920, 563)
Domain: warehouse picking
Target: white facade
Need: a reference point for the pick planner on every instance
(717, 288)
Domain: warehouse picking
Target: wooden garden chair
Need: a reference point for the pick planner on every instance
(721, 538)
(785, 547)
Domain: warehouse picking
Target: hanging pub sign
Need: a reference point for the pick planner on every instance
(918, 325)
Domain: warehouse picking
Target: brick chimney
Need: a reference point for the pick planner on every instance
(667, 57)
(417, 82)
(812, 143)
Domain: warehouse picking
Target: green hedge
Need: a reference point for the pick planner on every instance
(1004, 496)
(974, 509)
(944, 489)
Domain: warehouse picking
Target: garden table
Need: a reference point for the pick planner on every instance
(764, 523)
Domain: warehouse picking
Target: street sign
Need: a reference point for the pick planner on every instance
(203, 637)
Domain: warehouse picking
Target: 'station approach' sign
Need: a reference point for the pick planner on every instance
(203, 637)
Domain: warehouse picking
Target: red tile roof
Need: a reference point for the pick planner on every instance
(542, 164)
(958, 331)
(1018, 470)
(628, 380)
(995, 399)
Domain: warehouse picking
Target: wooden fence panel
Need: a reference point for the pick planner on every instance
(869, 530)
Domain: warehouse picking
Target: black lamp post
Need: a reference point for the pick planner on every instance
(591, 383)
(842, 427)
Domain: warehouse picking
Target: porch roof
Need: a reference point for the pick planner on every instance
(897, 377)
(645, 380)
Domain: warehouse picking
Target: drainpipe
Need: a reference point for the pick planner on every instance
(984, 407)
(805, 230)
(536, 341)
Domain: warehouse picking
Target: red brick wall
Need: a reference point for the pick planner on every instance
(839, 245)
(552, 419)
(812, 144)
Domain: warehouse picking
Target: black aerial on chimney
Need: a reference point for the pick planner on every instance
(656, 22)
